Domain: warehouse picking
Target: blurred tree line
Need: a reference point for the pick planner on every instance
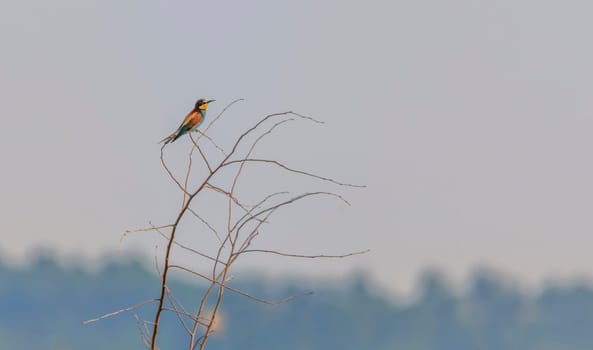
(43, 306)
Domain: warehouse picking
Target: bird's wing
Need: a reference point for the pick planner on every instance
(190, 120)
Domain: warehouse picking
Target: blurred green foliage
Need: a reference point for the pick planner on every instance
(43, 306)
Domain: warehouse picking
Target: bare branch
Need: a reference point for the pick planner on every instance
(239, 171)
(196, 146)
(239, 235)
(156, 261)
(115, 313)
(240, 292)
(263, 120)
(291, 170)
(229, 195)
(220, 115)
(205, 223)
(306, 117)
(188, 172)
(302, 255)
(143, 330)
(171, 173)
(239, 225)
(180, 215)
(189, 249)
(178, 313)
(269, 131)
(257, 206)
(236, 201)
(211, 141)
(146, 229)
(186, 314)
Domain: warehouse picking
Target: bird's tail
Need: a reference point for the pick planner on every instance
(170, 138)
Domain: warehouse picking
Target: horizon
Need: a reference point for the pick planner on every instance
(459, 287)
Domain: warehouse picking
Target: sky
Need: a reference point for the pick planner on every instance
(468, 121)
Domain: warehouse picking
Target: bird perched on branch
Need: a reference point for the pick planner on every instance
(191, 121)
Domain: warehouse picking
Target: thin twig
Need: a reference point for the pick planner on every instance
(239, 225)
(143, 330)
(115, 313)
(211, 141)
(240, 292)
(220, 115)
(151, 228)
(177, 312)
(186, 314)
(240, 170)
(302, 255)
(189, 249)
(257, 206)
(234, 199)
(228, 194)
(188, 172)
(146, 229)
(171, 173)
(196, 146)
(205, 223)
(263, 120)
(156, 260)
(291, 170)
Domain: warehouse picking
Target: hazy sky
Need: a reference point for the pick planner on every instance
(470, 122)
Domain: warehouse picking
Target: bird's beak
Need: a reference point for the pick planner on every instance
(210, 101)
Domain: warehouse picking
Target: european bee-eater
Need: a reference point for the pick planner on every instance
(191, 121)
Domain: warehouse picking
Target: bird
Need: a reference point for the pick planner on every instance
(192, 120)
